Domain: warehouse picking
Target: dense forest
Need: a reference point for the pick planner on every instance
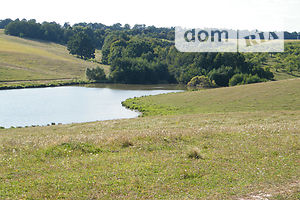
(146, 54)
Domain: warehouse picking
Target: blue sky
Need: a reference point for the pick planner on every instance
(268, 15)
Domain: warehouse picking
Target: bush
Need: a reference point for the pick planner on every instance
(263, 73)
(253, 79)
(201, 82)
(237, 79)
(221, 75)
(96, 74)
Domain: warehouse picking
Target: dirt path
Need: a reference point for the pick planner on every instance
(283, 191)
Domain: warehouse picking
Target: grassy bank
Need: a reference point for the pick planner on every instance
(41, 84)
(227, 143)
(276, 95)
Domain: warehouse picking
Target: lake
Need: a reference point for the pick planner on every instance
(71, 104)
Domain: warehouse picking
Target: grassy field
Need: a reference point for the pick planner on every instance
(23, 59)
(227, 143)
(276, 95)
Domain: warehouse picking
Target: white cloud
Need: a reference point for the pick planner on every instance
(242, 14)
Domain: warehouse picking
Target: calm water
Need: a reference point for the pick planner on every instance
(42, 106)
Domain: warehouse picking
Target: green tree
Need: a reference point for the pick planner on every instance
(81, 44)
(254, 79)
(4, 23)
(221, 75)
(52, 32)
(201, 82)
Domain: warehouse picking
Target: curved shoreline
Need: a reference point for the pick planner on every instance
(134, 114)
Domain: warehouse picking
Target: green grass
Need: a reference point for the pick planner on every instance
(224, 143)
(277, 95)
(201, 147)
(42, 83)
(23, 59)
(282, 75)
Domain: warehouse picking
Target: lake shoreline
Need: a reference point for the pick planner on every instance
(34, 84)
(57, 105)
(60, 83)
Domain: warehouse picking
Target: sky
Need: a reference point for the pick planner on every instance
(264, 15)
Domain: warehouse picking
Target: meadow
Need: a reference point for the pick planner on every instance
(226, 143)
(237, 142)
(275, 95)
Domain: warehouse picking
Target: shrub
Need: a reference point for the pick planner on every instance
(221, 75)
(253, 79)
(264, 73)
(96, 74)
(201, 82)
(237, 79)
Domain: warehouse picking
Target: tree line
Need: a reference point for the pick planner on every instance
(54, 32)
(82, 38)
(139, 59)
(146, 54)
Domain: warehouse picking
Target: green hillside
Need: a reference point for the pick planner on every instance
(23, 59)
(276, 95)
(228, 143)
